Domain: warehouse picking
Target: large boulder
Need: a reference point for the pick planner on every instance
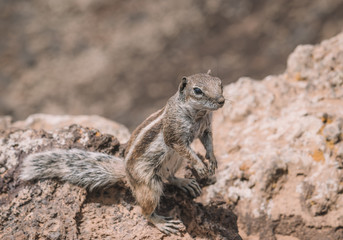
(279, 144)
(50, 122)
(51, 209)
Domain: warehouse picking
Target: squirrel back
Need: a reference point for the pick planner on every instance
(86, 169)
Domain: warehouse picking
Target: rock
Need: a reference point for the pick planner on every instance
(49, 122)
(339, 157)
(55, 210)
(332, 132)
(279, 146)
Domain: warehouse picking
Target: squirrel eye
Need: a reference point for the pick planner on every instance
(197, 91)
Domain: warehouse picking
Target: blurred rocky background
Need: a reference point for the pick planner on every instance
(123, 59)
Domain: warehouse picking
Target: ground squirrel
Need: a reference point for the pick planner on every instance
(154, 152)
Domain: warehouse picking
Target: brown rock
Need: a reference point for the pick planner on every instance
(54, 210)
(279, 145)
(49, 122)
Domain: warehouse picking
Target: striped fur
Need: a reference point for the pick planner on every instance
(160, 144)
(85, 169)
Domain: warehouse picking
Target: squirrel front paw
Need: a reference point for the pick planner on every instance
(213, 166)
(201, 169)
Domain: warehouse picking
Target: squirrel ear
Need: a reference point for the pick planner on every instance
(183, 84)
(209, 72)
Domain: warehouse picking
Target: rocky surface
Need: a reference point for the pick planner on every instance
(123, 59)
(280, 147)
(54, 210)
(52, 122)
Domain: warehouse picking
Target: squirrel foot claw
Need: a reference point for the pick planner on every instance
(166, 224)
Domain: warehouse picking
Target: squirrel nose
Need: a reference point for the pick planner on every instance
(221, 100)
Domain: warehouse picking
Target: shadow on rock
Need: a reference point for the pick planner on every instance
(214, 221)
(206, 221)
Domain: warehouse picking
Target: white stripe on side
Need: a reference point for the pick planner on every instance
(142, 133)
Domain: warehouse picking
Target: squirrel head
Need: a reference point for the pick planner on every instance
(202, 92)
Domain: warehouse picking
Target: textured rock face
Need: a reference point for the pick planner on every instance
(280, 148)
(54, 210)
(52, 122)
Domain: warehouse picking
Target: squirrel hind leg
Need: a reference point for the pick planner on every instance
(148, 197)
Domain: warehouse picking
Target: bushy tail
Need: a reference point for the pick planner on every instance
(86, 169)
